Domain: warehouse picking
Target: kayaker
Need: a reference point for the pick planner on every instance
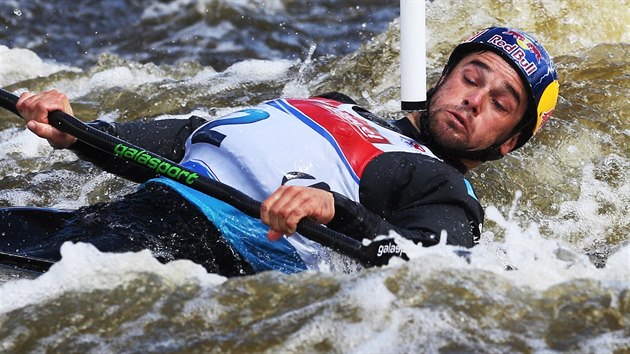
(323, 158)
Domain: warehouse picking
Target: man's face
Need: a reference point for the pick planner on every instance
(478, 104)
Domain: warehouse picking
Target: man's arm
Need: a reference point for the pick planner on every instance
(422, 223)
(413, 195)
(166, 138)
(416, 196)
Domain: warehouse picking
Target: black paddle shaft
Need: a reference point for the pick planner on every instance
(113, 145)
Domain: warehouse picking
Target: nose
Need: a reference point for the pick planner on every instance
(473, 101)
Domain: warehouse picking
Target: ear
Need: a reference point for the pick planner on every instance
(509, 144)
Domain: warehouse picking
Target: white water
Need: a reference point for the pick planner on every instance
(540, 262)
(536, 263)
(14, 61)
(83, 268)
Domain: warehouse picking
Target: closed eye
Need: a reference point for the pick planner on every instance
(499, 106)
(469, 81)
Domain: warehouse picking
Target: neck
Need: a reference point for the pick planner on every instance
(470, 164)
(414, 118)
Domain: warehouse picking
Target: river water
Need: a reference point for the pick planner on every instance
(552, 273)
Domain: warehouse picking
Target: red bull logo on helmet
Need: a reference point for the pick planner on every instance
(544, 118)
(518, 50)
(525, 43)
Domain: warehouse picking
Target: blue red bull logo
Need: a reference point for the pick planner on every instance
(519, 50)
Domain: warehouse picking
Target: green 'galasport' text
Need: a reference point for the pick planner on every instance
(161, 167)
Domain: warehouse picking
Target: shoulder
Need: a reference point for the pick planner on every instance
(196, 121)
(419, 175)
(337, 96)
(408, 163)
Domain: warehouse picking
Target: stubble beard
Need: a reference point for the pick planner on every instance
(443, 132)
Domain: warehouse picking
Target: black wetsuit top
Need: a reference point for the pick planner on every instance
(415, 195)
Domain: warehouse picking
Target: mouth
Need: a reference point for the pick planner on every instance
(459, 120)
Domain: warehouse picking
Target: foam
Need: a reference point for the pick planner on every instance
(120, 76)
(22, 142)
(524, 257)
(19, 64)
(600, 207)
(247, 71)
(84, 268)
(262, 70)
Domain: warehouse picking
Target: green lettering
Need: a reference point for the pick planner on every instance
(182, 173)
(153, 163)
(162, 168)
(191, 178)
(119, 149)
(130, 153)
(143, 159)
(173, 171)
(140, 154)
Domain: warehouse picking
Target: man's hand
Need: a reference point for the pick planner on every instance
(285, 207)
(34, 108)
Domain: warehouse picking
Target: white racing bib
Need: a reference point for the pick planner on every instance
(286, 141)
